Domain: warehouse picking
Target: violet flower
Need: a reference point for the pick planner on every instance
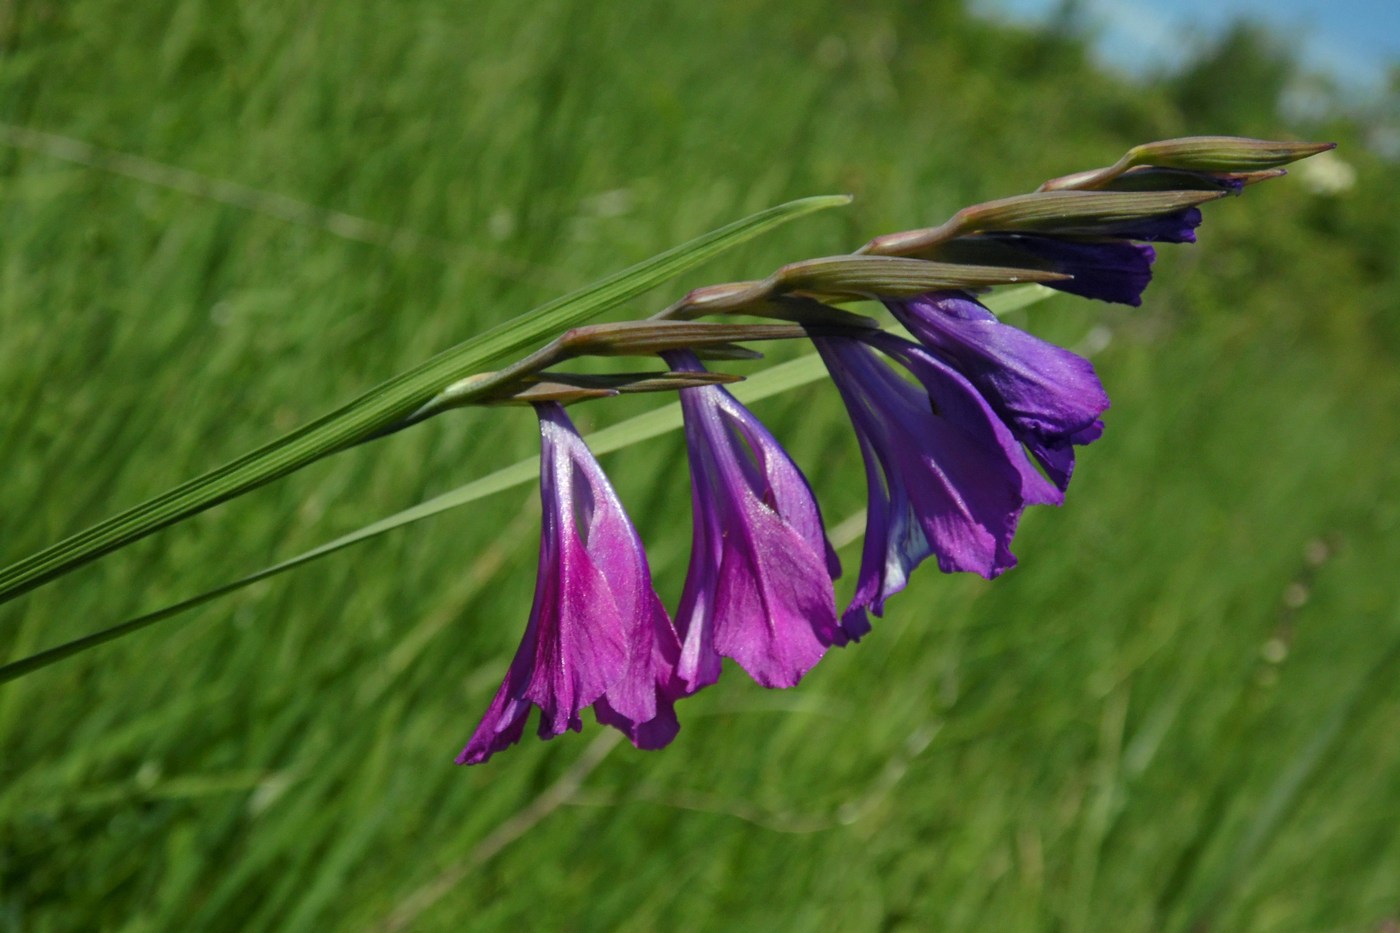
(1109, 270)
(598, 635)
(1050, 398)
(1178, 227)
(758, 589)
(946, 478)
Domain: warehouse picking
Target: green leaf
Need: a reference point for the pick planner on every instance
(387, 404)
(773, 381)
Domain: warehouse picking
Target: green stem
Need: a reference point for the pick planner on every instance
(381, 408)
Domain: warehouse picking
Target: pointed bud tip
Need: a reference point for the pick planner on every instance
(560, 392)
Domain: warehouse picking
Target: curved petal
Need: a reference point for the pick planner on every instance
(759, 585)
(1177, 227)
(598, 633)
(1109, 270)
(946, 477)
(1049, 397)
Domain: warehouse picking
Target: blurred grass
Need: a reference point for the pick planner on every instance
(1178, 712)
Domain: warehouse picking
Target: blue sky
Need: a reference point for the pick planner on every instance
(1355, 40)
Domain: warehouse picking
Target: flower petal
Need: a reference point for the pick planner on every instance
(759, 584)
(1104, 268)
(946, 477)
(1109, 270)
(1177, 227)
(597, 631)
(1049, 397)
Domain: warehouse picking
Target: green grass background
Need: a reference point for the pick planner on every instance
(1180, 712)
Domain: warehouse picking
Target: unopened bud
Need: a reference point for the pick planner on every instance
(1175, 179)
(1077, 212)
(1221, 153)
(647, 338)
(730, 298)
(866, 276)
(1210, 155)
(578, 387)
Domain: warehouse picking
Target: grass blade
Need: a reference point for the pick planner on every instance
(773, 381)
(387, 403)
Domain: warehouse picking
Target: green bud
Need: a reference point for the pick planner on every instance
(578, 387)
(1221, 153)
(717, 299)
(647, 338)
(866, 276)
(1151, 178)
(1075, 212)
(1223, 157)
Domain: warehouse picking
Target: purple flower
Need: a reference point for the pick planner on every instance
(758, 589)
(1177, 227)
(946, 477)
(598, 635)
(1109, 270)
(1050, 398)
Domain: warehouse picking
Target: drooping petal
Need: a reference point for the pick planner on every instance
(759, 588)
(597, 633)
(1057, 457)
(1049, 397)
(946, 478)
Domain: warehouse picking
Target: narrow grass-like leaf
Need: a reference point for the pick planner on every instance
(385, 405)
(1282, 798)
(802, 371)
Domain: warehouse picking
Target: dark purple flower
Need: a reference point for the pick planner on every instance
(1177, 227)
(1109, 270)
(758, 589)
(1050, 398)
(946, 477)
(598, 635)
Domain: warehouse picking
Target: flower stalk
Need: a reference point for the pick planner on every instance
(962, 425)
(982, 423)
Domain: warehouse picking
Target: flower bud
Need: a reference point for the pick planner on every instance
(865, 276)
(1221, 153)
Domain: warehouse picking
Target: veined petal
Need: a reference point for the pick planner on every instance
(598, 633)
(759, 585)
(1050, 398)
(946, 477)
(1109, 270)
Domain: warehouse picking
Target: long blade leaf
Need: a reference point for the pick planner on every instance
(773, 381)
(388, 403)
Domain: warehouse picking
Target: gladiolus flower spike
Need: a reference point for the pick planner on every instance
(983, 421)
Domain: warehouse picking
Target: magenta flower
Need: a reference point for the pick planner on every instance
(597, 634)
(946, 478)
(758, 589)
(1050, 398)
